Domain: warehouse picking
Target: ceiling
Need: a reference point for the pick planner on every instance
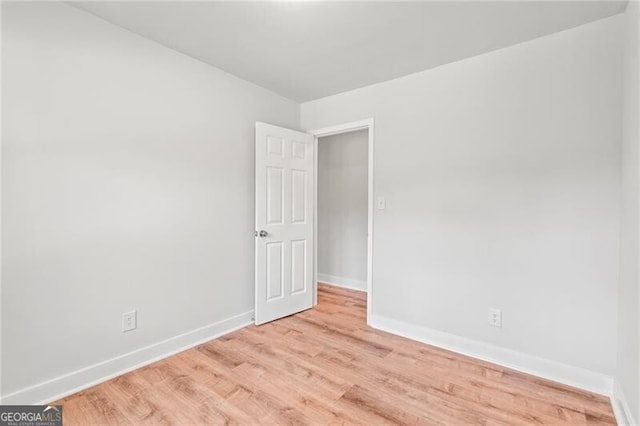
(307, 50)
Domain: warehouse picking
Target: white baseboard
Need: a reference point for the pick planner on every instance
(92, 375)
(552, 370)
(342, 282)
(621, 408)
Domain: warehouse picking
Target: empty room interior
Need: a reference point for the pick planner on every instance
(320, 212)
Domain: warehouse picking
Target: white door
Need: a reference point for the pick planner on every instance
(284, 222)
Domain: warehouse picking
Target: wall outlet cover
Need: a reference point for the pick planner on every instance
(495, 317)
(129, 321)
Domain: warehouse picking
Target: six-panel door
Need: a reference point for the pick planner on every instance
(284, 215)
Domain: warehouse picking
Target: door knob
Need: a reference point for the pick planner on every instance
(263, 233)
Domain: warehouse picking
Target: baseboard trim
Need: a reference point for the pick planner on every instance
(621, 408)
(349, 283)
(552, 370)
(92, 375)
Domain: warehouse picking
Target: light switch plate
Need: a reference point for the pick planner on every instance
(381, 203)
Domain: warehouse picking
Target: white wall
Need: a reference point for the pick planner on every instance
(127, 183)
(342, 208)
(628, 367)
(502, 179)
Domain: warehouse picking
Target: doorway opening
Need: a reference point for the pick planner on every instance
(344, 207)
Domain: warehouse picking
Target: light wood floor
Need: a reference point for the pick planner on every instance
(325, 366)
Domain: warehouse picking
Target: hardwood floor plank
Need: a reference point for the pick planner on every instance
(79, 410)
(368, 401)
(324, 382)
(105, 408)
(253, 394)
(325, 366)
(136, 403)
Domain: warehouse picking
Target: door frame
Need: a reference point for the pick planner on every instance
(353, 126)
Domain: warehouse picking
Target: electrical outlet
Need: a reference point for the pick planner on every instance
(129, 321)
(495, 317)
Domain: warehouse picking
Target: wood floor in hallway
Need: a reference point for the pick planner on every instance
(325, 366)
